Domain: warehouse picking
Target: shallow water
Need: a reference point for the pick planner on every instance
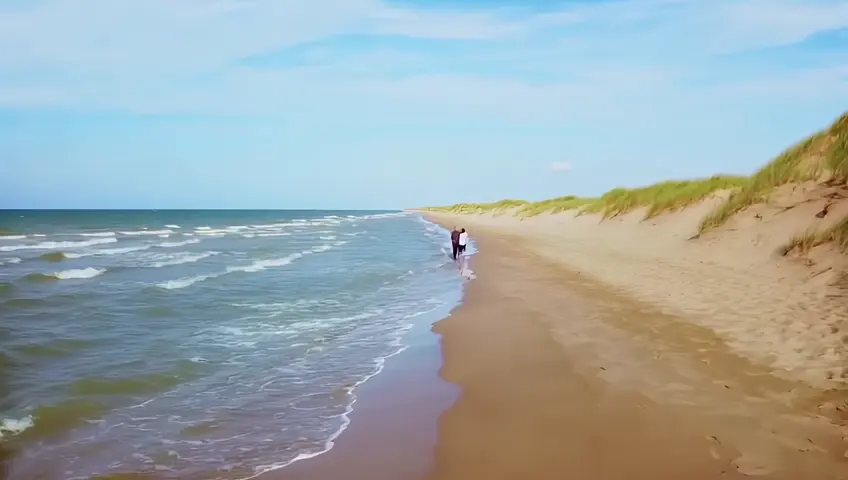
(201, 344)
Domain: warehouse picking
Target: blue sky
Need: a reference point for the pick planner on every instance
(390, 104)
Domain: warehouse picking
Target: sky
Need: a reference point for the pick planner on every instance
(386, 104)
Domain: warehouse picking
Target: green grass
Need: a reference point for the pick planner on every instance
(657, 198)
(823, 155)
(825, 151)
(468, 208)
(838, 234)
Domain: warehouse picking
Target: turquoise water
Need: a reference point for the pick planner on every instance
(200, 344)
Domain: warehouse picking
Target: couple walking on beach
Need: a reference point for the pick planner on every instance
(459, 240)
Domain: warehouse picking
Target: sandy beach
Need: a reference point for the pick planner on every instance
(572, 365)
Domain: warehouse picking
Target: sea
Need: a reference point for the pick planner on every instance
(201, 344)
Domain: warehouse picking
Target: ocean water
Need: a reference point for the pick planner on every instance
(201, 344)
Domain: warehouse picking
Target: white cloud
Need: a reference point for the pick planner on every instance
(160, 56)
(561, 166)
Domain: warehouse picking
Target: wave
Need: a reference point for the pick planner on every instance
(142, 384)
(178, 244)
(12, 237)
(58, 245)
(186, 282)
(133, 233)
(12, 426)
(10, 261)
(109, 251)
(55, 348)
(173, 226)
(98, 234)
(254, 267)
(48, 421)
(190, 258)
(53, 257)
(74, 274)
(80, 273)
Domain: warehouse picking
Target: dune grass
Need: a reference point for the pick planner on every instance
(657, 198)
(837, 233)
(498, 207)
(820, 153)
(821, 156)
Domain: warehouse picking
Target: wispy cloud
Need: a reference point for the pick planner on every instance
(162, 56)
(560, 166)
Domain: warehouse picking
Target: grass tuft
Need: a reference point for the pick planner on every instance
(468, 208)
(820, 153)
(804, 242)
(658, 198)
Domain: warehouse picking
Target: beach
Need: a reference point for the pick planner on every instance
(580, 354)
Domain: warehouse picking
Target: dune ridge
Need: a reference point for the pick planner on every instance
(760, 260)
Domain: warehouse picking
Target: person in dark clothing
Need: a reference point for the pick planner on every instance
(455, 242)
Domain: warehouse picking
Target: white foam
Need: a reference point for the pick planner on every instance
(331, 440)
(184, 258)
(280, 234)
(79, 273)
(12, 426)
(12, 237)
(164, 236)
(254, 267)
(58, 245)
(147, 232)
(108, 251)
(98, 234)
(186, 281)
(173, 226)
(10, 261)
(327, 237)
(260, 265)
(203, 228)
(39, 235)
(178, 244)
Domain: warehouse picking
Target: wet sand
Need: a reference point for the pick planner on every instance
(393, 427)
(559, 377)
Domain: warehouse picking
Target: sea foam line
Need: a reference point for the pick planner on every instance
(190, 258)
(331, 440)
(58, 245)
(254, 267)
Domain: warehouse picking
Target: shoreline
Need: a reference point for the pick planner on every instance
(554, 372)
(392, 431)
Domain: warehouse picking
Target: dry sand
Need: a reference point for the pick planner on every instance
(622, 349)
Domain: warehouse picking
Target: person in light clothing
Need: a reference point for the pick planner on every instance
(462, 242)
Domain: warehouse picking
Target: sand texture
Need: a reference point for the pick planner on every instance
(622, 351)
